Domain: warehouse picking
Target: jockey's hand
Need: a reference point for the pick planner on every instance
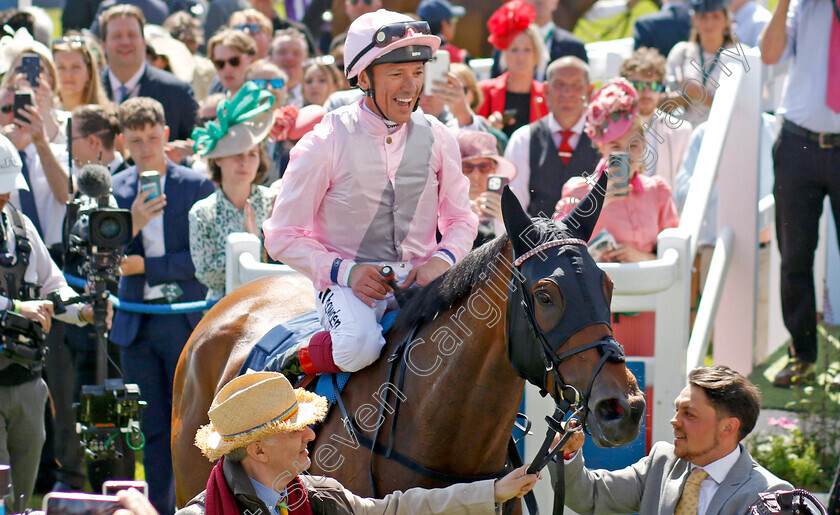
(426, 273)
(516, 484)
(368, 284)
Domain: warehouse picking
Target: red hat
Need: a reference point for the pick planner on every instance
(509, 21)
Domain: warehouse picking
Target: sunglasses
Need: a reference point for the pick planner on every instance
(234, 61)
(654, 85)
(251, 28)
(274, 83)
(387, 34)
(484, 167)
(324, 60)
(72, 41)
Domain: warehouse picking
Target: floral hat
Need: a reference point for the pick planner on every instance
(241, 123)
(509, 21)
(611, 111)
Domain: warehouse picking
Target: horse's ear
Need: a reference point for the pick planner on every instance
(517, 222)
(582, 219)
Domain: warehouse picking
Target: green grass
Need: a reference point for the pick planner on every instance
(828, 342)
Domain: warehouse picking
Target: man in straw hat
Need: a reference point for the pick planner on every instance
(393, 174)
(258, 432)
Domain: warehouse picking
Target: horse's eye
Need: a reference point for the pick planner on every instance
(543, 297)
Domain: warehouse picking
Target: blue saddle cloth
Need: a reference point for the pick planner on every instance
(288, 334)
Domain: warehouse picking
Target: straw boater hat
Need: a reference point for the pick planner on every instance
(254, 406)
(241, 123)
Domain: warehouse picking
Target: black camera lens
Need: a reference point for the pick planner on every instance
(109, 228)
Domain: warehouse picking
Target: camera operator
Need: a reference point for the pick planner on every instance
(27, 274)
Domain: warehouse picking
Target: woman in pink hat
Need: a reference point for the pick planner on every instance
(633, 215)
(515, 98)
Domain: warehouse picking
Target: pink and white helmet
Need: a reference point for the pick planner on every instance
(386, 37)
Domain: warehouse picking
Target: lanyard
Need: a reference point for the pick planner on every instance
(714, 63)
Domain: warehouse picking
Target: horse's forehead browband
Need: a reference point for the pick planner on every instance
(539, 248)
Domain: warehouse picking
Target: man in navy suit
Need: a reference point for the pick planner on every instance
(157, 270)
(127, 74)
(664, 29)
(559, 42)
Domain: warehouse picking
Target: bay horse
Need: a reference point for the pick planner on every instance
(531, 305)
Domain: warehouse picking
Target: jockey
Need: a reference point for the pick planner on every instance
(369, 186)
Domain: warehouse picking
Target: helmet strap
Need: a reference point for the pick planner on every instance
(370, 92)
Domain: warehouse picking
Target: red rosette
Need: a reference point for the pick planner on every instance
(508, 21)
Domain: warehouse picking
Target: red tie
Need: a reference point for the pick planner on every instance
(565, 149)
(832, 87)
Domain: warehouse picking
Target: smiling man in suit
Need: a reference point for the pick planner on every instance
(706, 471)
(157, 269)
(128, 76)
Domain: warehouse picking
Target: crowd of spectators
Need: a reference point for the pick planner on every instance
(138, 81)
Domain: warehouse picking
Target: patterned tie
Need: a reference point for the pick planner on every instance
(123, 93)
(565, 149)
(27, 199)
(687, 504)
(282, 506)
(832, 87)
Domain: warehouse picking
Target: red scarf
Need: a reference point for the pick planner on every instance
(298, 501)
(218, 499)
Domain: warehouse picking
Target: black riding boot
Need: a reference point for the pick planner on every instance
(288, 363)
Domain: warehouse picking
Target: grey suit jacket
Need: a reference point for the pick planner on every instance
(653, 485)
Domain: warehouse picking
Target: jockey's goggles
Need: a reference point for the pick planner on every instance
(387, 34)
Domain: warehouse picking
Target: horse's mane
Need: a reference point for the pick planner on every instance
(423, 303)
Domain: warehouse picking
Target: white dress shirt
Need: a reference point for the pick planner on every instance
(519, 151)
(132, 85)
(50, 210)
(717, 473)
(154, 245)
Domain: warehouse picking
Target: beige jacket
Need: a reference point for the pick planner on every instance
(328, 496)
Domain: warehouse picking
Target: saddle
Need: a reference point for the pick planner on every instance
(289, 334)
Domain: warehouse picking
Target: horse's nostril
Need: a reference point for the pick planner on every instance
(610, 409)
(617, 406)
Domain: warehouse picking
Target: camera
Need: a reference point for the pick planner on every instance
(104, 412)
(22, 340)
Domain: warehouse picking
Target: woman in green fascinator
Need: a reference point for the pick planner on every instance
(232, 146)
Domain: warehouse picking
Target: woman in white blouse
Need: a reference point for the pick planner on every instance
(236, 160)
(711, 36)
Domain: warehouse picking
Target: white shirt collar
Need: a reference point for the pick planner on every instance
(577, 128)
(547, 29)
(130, 84)
(719, 469)
(116, 162)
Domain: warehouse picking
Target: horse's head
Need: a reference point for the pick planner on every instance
(558, 323)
